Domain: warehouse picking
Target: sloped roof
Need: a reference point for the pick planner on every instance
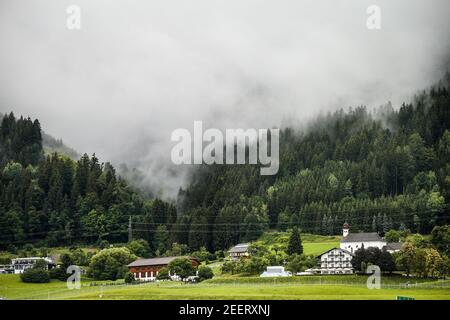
(362, 237)
(394, 246)
(155, 261)
(240, 248)
(343, 250)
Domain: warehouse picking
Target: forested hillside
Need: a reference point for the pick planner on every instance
(377, 170)
(53, 200)
(389, 168)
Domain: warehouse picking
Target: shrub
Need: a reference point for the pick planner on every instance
(229, 267)
(5, 258)
(140, 248)
(205, 273)
(58, 274)
(79, 257)
(35, 275)
(182, 267)
(392, 236)
(28, 247)
(298, 263)
(163, 274)
(219, 254)
(11, 248)
(202, 255)
(110, 264)
(103, 244)
(129, 277)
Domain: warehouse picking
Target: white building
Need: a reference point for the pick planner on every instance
(5, 268)
(354, 241)
(275, 271)
(336, 261)
(19, 265)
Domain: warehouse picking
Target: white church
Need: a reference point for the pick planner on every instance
(338, 260)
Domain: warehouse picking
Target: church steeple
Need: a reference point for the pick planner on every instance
(345, 230)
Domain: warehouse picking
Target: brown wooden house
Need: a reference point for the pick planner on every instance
(148, 269)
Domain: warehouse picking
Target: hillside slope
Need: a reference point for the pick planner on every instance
(377, 170)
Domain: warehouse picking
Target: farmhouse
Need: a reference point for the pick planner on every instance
(148, 269)
(354, 241)
(19, 265)
(336, 261)
(238, 251)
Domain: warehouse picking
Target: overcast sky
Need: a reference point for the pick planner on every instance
(139, 69)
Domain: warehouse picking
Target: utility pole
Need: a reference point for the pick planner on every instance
(130, 231)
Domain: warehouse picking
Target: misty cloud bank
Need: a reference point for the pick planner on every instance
(137, 70)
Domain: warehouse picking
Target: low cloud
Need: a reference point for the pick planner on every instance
(137, 70)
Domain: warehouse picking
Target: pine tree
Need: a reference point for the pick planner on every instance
(295, 243)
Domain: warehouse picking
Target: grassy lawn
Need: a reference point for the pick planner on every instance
(312, 244)
(316, 248)
(292, 288)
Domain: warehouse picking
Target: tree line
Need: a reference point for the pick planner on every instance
(52, 200)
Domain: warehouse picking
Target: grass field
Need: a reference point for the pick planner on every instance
(343, 287)
(316, 248)
(312, 244)
(288, 289)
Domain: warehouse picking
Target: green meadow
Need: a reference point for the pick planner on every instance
(322, 287)
(342, 287)
(312, 244)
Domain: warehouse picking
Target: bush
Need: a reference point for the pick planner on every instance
(58, 274)
(392, 236)
(28, 247)
(11, 248)
(254, 265)
(203, 255)
(110, 264)
(129, 277)
(229, 267)
(103, 244)
(163, 274)
(205, 273)
(219, 254)
(140, 248)
(5, 258)
(299, 263)
(79, 257)
(182, 267)
(35, 275)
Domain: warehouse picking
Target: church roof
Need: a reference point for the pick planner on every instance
(362, 237)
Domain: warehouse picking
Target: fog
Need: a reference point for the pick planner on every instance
(137, 70)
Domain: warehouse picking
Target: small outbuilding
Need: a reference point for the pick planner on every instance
(275, 271)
